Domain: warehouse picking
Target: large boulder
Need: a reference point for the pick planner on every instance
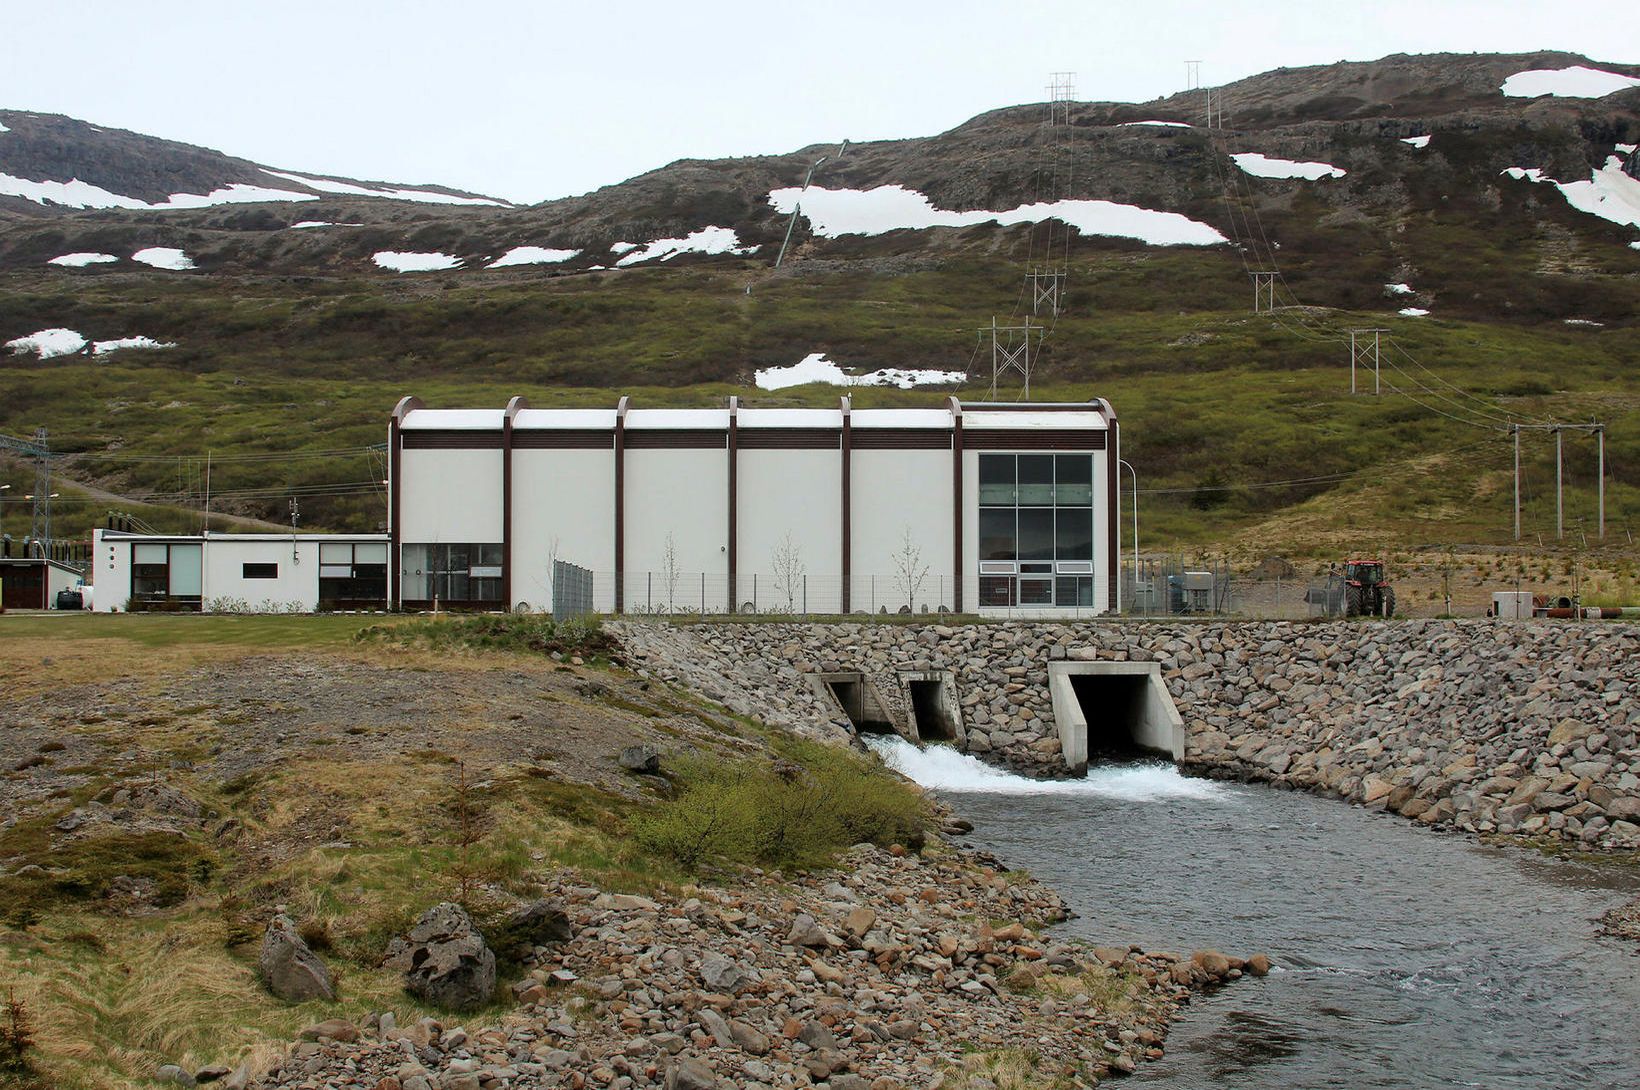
(291, 970)
(445, 960)
(524, 928)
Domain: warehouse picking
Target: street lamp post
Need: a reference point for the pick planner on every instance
(1124, 463)
(3, 543)
(43, 546)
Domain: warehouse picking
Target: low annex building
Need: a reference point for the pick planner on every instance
(236, 573)
(983, 507)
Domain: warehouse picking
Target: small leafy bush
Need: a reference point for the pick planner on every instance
(782, 813)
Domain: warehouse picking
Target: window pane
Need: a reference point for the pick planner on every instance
(1075, 480)
(458, 558)
(996, 590)
(255, 570)
(1036, 592)
(996, 533)
(335, 571)
(1035, 480)
(148, 554)
(331, 552)
(185, 565)
(1073, 590)
(489, 556)
(417, 572)
(996, 479)
(1074, 539)
(1035, 533)
(375, 553)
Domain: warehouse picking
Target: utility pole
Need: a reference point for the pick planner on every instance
(1061, 93)
(1600, 491)
(1047, 289)
(1559, 506)
(1264, 292)
(40, 531)
(1011, 351)
(1515, 428)
(1361, 351)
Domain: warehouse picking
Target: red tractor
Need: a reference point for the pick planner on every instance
(1366, 592)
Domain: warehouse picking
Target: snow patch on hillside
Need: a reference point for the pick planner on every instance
(1577, 81)
(1169, 124)
(81, 260)
(707, 240)
(1413, 312)
(303, 225)
(348, 189)
(1583, 323)
(3, 127)
(164, 257)
(1634, 245)
(1265, 166)
(1416, 141)
(532, 255)
(1624, 149)
(78, 194)
(49, 343)
(1398, 289)
(237, 193)
(815, 367)
(835, 212)
(410, 261)
(1609, 193)
(618, 248)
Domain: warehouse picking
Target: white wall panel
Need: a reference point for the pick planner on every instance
(892, 491)
(450, 496)
(685, 494)
(800, 493)
(563, 499)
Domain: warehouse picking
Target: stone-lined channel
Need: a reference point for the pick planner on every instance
(1406, 957)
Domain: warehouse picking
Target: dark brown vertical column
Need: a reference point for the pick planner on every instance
(620, 504)
(395, 444)
(848, 507)
(507, 500)
(734, 503)
(956, 502)
(1113, 485)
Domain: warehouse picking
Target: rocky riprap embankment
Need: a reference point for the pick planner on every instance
(885, 973)
(1527, 728)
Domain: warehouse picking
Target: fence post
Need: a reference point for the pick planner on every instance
(805, 596)
(703, 594)
(649, 593)
(754, 593)
(874, 595)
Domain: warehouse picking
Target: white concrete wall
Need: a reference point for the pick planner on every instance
(450, 497)
(567, 497)
(226, 588)
(110, 573)
(800, 493)
(890, 491)
(684, 493)
(57, 579)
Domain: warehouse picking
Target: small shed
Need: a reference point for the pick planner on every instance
(32, 582)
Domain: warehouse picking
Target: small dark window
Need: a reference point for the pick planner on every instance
(260, 571)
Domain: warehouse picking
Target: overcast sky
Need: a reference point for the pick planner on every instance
(531, 99)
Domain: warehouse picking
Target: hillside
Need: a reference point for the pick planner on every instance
(1515, 228)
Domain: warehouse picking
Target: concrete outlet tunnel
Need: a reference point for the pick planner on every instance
(920, 706)
(1113, 711)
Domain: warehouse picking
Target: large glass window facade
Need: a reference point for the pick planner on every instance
(352, 574)
(456, 574)
(166, 576)
(1036, 530)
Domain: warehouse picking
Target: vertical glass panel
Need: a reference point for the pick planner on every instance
(996, 479)
(148, 554)
(1074, 590)
(331, 552)
(1074, 484)
(489, 556)
(458, 557)
(1073, 540)
(417, 572)
(996, 590)
(996, 534)
(1035, 480)
(1035, 533)
(185, 568)
(374, 553)
(1036, 592)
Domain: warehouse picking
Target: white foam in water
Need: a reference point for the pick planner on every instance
(941, 768)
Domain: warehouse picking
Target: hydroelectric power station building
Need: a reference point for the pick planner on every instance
(971, 507)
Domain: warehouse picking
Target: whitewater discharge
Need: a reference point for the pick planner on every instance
(941, 768)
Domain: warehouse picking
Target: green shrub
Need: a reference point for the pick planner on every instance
(782, 813)
(534, 633)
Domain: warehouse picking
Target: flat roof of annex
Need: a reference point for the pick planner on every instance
(412, 415)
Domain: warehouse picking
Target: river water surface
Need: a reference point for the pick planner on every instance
(1404, 957)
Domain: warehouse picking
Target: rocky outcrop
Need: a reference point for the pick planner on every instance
(886, 974)
(1530, 729)
(445, 960)
(290, 968)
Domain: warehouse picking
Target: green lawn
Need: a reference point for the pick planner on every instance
(168, 629)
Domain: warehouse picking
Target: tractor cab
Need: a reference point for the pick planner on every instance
(1364, 573)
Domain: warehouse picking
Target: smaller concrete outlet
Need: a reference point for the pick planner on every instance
(1113, 711)
(854, 694)
(935, 712)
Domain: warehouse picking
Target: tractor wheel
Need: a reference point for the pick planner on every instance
(1389, 601)
(1352, 601)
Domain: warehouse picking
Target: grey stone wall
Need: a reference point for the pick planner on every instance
(1486, 726)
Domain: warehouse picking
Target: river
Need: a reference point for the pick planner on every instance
(1403, 957)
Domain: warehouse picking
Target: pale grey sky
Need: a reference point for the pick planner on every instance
(531, 99)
